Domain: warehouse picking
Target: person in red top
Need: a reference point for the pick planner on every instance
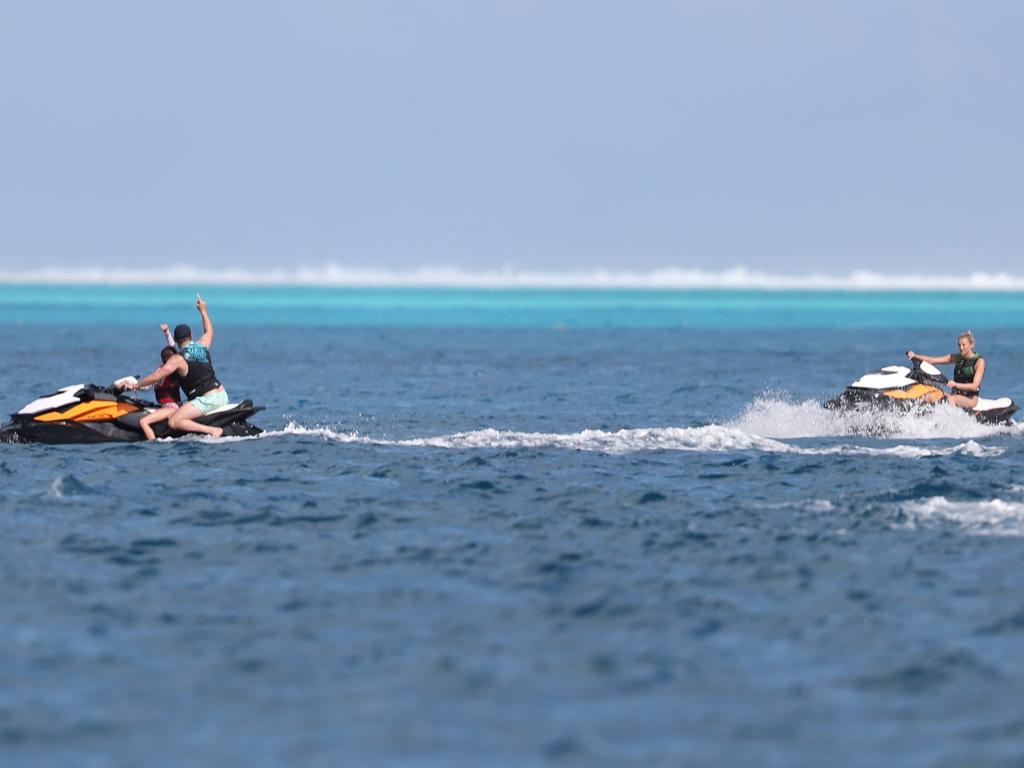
(167, 391)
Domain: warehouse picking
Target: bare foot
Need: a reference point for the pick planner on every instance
(219, 432)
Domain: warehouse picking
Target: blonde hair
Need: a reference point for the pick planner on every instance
(966, 335)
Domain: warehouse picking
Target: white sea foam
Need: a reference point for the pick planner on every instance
(331, 274)
(970, 448)
(710, 439)
(993, 517)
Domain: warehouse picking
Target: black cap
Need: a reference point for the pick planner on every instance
(182, 332)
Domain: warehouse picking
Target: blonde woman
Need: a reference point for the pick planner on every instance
(965, 386)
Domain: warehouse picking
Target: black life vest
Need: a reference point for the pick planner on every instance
(964, 371)
(200, 378)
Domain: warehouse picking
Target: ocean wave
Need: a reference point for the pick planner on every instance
(708, 439)
(331, 274)
(992, 517)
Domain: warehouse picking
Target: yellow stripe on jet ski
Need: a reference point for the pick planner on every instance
(916, 392)
(94, 410)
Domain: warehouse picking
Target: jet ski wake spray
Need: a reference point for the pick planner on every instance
(897, 387)
(88, 413)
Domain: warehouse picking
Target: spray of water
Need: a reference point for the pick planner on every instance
(778, 416)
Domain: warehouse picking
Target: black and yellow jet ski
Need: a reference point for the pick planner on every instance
(87, 413)
(900, 387)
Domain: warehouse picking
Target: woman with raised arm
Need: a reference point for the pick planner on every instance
(965, 388)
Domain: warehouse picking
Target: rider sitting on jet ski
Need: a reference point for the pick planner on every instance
(168, 395)
(194, 368)
(967, 376)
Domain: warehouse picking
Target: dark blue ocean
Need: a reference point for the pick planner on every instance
(516, 528)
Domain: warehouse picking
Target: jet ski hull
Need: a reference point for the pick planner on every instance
(92, 414)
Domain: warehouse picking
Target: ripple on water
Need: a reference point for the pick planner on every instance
(68, 486)
(929, 672)
(212, 518)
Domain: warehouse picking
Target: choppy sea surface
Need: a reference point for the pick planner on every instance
(516, 528)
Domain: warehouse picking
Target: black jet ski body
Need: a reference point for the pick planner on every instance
(87, 413)
(906, 388)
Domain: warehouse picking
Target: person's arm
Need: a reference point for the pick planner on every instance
(943, 360)
(171, 366)
(167, 335)
(975, 386)
(207, 338)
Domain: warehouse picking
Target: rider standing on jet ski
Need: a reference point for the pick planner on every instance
(967, 376)
(194, 368)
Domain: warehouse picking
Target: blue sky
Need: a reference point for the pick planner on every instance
(786, 136)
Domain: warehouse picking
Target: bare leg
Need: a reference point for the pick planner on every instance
(154, 418)
(963, 401)
(184, 420)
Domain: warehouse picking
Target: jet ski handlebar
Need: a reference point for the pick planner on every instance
(88, 392)
(920, 374)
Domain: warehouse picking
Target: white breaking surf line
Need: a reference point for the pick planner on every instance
(332, 274)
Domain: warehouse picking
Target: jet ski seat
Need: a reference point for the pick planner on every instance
(988, 405)
(229, 406)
